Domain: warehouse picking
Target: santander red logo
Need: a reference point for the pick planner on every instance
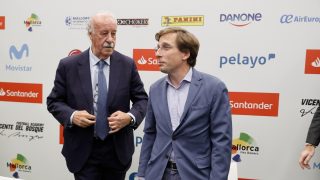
(145, 59)
(21, 92)
(254, 103)
(312, 65)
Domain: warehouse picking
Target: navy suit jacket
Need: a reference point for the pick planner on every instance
(73, 91)
(201, 142)
(313, 136)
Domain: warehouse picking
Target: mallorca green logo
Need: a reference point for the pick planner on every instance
(32, 21)
(244, 145)
(19, 164)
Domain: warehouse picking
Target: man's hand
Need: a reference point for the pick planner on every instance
(83, 119)
(118, 120)
(306, 155)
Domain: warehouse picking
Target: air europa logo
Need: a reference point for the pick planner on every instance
(21, 92)
(290, 18)
(145, 59)
(254, 103)
(312, 65)
(182, 21)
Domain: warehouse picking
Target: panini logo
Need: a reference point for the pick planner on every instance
(255, 104)
(132, 22)
(145, 59)
(312, 65)
(2, 22)
(21, 92)
(182, 21)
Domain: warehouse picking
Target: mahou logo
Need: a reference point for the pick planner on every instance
(74, 52)
(312, 65)
(145, 59)
(21, 92)
(254, 103)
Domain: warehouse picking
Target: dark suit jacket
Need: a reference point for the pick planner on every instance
(314, 129)
(73, 91)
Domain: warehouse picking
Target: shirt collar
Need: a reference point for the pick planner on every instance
(94, 59)
(187, 78)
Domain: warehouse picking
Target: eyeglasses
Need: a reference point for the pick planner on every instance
(165, 47)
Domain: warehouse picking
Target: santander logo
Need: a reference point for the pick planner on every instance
(312, 62)
(145, 59)
(254, 103)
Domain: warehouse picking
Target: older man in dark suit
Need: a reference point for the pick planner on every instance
(91, 99)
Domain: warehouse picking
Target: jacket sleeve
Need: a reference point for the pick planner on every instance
(313, 136)
(221, 134)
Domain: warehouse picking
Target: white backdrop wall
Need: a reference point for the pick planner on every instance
(282, 39)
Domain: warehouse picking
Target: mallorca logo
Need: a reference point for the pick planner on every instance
(241, 19)
(145, 59)
(19, 164)
(32, 21)
(2, 22)
(244, 145)
(182, 20)
(312, 65)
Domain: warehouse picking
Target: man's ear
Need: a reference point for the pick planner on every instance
(186, 55)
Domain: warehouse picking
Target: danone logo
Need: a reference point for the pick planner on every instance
(244, 145)
(19, 164)
(21, 92)
(145, 59)
(241, 19)
(254, 103)
(182, 21)
(312, 65)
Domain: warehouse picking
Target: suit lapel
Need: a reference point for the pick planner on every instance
(162, 103)
(85, 77)
(114, 74)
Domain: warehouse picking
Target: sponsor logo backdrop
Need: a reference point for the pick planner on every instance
(268, 54)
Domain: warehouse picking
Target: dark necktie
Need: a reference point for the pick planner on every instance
(102, 126)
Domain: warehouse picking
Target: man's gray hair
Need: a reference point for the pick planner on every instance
(90, 28)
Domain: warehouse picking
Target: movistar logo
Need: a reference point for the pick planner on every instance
(18, 54)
